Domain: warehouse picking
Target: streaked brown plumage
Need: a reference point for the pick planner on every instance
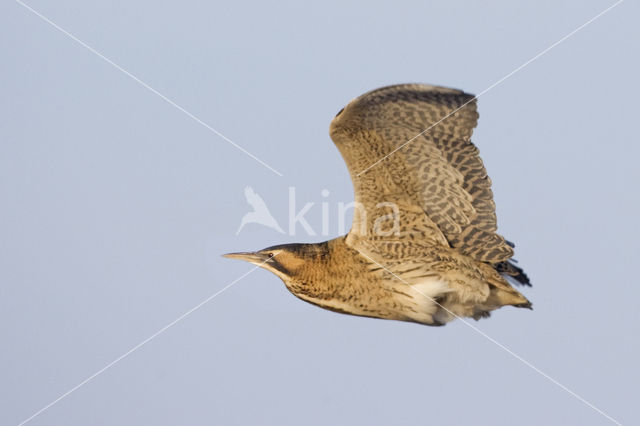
(442, 258)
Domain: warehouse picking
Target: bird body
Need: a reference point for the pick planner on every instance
(423, 246)
(425, 284)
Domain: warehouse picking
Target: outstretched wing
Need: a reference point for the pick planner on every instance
(410, 145)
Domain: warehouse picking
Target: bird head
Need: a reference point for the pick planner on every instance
(288, 261)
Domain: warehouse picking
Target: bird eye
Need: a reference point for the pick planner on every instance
(270, 255)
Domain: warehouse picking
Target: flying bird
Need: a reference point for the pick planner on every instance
(423, 245)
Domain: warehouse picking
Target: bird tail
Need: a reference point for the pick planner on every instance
(502, 293)
(507, 295)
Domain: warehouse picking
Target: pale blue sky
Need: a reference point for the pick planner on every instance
(116, 207)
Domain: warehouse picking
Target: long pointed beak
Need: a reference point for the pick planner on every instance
(248, 256)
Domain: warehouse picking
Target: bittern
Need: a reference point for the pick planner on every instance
(423, 245)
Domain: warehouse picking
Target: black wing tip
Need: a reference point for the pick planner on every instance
(510, 269)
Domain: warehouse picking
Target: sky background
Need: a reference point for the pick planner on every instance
(116, 206)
